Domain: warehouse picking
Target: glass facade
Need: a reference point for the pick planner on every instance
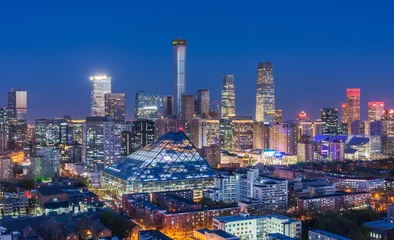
(329, 117)
(179, 51)
(115, 106)
(17, 102)
(265, 97)
(100, 86)
(228, 96)
(170, 163)
(148, 106)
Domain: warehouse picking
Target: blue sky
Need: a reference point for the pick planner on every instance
(318, 48)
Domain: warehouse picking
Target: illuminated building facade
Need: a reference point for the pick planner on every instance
(226, 134)
(169, 163)
(344, 113)
(359, 127)
(179, 53)
(375, 111)
(329, 117)
(17, 103)
(388, 132)
(125, 143)
(261, 135)
(343, 129)
(5, 124)
(75, 131)
(228, 97)
(242, 133)
(317, 127)
(187, 108)
(203, 101)
(6, 168)
(46, 163)
(165, 125)
(204, 132)
(115, 106)
(51, 132)
(353, 105)
(148, 106)
(101, 85)
(283, 137)
(101, 143)
(265, 96)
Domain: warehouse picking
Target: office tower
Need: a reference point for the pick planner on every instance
(179, 52)
(283, 137)
(165, 125)
(265, 97)
(143, 133)
(375, 111)
(46, 163)
(3, 141)
(388, 132)
(101, 85)
(168, 106)
(126, 137)
(30, 133)
(343, 129)
(305, 151)
(353, 105)
(204, 132)
(187, 108)
(5, 124)
(6, 168)
(148, 106)
(358, 128)
(226, 134)
(302, 117)
(17, 103)
(115, 106)
(242, 133)
(51, 131)
(75, 131)
(101, 143)
(228, 97)
(329, 117)
(336, 149)
(304, 125)
(203, 102)
(344, 113)
(317, 128)
(375, 128)
(261, 135)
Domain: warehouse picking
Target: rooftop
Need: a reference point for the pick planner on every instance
(380, 224)
(48, 191)
(332, 235)
(279, 236)
(153, 235)
(337, 194)
(218, 232)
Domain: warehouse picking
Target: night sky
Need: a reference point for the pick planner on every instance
(50, 48)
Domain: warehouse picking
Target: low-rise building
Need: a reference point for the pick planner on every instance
(279, 236)
(378, 230)
(152, 235)
(206, 234)
(324, 235)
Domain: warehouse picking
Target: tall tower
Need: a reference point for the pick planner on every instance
(115, 106)
(228, 97)
(375, 111)
(179, 51)
(101, 85)
(353, 105)
(265, 96)
(17, 103)
(203, 102)
(329, 117)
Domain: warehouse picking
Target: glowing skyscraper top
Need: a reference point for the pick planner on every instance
(265, 96)
(101, 85)
(228, 97)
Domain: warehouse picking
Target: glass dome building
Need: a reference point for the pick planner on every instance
(169, 163)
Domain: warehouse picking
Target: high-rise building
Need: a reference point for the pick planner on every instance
(5, 123)
(226, 134)
(187, 108)
(17, 103)
(6, 168)
(353, 105)
(343, 129)
(51, 132)
(375, 111)
(101, 143)
(317, 127)
(203, 102)
(228, 97)
(375, 128)
(358, 128)
(283, 137)
(115, 106)
(46, 163)
(344, 113)
(204, 132)
(101, 85)
(168, 106)
(329, 117)
(143, 133)
(265, 97)
(148, 106)
(179, 52)
(75, 131)
(165, 125)
(261, 135)
(388, 132)
(126, 143)
(242, 133)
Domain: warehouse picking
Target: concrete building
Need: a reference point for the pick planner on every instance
(324, 235)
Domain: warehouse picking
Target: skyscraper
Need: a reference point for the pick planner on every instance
(187, 108)
(143, 133)
(100, 86)
(265, 97)
(115, 106)
(179, 52)
(329, 117)
(344, 113)
(375, 110)
(168, 106)
(203, 102)
(353, 105)
(148, 106)
(228, 97)
(17, 103)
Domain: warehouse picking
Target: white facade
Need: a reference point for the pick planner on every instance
(179, 51)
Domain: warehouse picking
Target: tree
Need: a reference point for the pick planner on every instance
(27, 184)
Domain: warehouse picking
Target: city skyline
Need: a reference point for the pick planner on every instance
(336, 60)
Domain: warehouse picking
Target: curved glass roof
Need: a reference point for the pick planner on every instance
(170, 157)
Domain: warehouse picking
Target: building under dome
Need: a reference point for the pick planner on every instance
(169, 163)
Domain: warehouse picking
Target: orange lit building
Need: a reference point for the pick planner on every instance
(375, 110)
(17, 157)
(353, 105)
